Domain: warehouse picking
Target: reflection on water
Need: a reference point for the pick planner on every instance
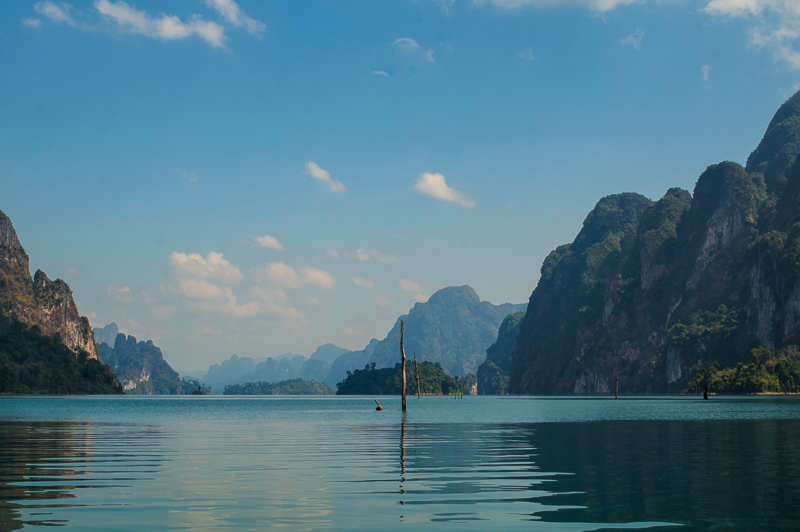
(310, 465)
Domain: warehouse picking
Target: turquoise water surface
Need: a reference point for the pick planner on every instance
(334, 463)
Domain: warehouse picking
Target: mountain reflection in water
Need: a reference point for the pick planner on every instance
(310, 464)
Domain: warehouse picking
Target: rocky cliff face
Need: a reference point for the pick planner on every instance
(141, 367)
(454, 327)
(651, 292)
(38, 300)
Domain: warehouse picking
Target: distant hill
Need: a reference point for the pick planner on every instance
(328, 353)
(287, 387)
(454, 327)
(106, 335)
(386, 381)
(350, 360)
(141, 367)
(655, 293)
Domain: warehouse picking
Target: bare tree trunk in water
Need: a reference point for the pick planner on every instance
(416, 372)
(403, 364)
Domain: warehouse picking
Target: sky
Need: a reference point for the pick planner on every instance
(265, 177)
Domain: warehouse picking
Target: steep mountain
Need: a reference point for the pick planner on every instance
(349, 361)
(141, 367)
(454, 327)
(38, 300)
(328, 353)
(652, 293)
(493, 373)
(107, 334)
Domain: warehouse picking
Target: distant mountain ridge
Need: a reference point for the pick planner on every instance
(454, 327)
(140, 367)
(653, 292)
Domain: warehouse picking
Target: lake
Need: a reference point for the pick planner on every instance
(334, 463)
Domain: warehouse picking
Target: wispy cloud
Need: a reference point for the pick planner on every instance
(59, 12)
(594, 5)
(213, 266)
(363, 283)
(284, 275)
(776, 24)
(32, 22)
(434, 186)
(120, 293)
(234, 14)
(705, 73)
(410, 286)
(409, 45)
(166, 27)
(316, 172)
(187, 176)
(370, 255)
(353, 332)
(331, 254)
(384, 302)
(381, 73)
(527, 56)
(634, 39)
(267, 241)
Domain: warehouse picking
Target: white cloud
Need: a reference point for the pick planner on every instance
(331, 253)
(318, 278)
(73, 272)
(268, 241)
(55, 12)
(634, 39)
(120, 293)
(384, 302)
(410, 45)
(281, 273)
(163, 312)
(434, 185)
(363, 283)
(353, 332)
(276, 294)
(370, 255)
(777, 24)
(410, 286)
(381, 73)
(167, 27)
(421, 298)
(32, 22)
(527, 56)
(231, 12)
(214, 266)
(199, 289)
(188, 176)
(705, 71)
(318, 173)
(312, 301)
(594, 5)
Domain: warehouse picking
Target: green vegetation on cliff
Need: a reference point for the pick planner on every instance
(769, 372)
(650, 291)
(288, 387)
(386, 381)
(493, 373)
(32, 363)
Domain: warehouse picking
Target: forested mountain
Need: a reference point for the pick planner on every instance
(46, 347)
(654, 292)
(493, 374)
(454, 327)
(141, 367)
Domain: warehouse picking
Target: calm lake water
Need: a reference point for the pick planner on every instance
(333, 463)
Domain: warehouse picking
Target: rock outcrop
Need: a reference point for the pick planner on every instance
(650, 293)
(39, 301)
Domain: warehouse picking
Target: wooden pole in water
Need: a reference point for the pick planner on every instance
(705, 392)
(616, 388)
(403, 364)
(416, 372)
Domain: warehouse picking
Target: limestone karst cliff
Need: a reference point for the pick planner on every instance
(37, 300)
(651, 293)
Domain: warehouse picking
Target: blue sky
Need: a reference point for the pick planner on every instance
(263, 177)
